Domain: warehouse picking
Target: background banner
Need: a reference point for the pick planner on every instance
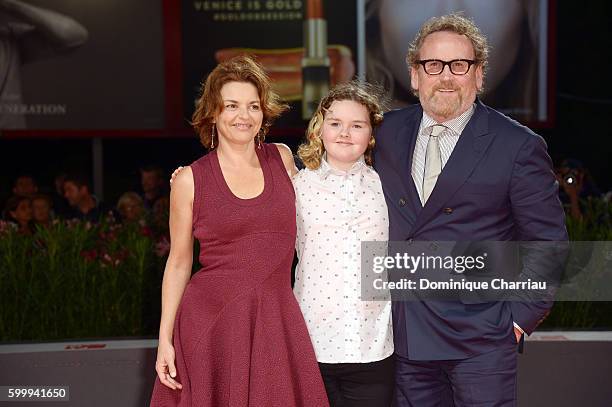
(518, 79)
(86, 65)
(289, 37)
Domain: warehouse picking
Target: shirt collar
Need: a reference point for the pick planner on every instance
(456, 125)
(325, 169)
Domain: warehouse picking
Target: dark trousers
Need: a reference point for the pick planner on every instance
(359, 384)
(483, 380)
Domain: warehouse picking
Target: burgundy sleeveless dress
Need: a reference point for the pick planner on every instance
(239, 336)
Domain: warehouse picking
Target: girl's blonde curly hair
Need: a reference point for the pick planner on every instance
(368, 95)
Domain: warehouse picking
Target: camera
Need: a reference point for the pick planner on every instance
(571, 177)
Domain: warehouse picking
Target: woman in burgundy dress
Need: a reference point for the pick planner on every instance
(233, 334)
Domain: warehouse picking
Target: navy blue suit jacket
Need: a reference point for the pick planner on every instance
(498, 185)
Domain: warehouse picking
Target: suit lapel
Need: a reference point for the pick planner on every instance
(468, 151)
(406, 140)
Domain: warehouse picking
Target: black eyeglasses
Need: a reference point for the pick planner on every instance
(456, 66)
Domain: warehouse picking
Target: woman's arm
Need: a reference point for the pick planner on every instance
(176, 273)
(287, 157)
(180, 259)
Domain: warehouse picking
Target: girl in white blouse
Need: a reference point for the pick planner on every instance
(340, 203)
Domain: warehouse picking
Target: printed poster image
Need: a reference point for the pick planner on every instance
(516, 82)
(305, 46)
(68, 64)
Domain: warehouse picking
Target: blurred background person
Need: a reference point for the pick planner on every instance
(577, 186)
(85, 205)
(60, 205)
(153, 185)
(130, 207)
(161, 213)
(25, 185)
(18, 210)
(42, 213)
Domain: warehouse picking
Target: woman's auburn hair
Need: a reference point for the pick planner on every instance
(366, 94)
(242, 68)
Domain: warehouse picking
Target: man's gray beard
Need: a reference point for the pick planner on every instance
(446, 108)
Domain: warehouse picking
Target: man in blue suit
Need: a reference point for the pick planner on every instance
(453, 169)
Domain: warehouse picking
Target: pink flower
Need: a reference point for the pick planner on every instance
(89, 255)
(108, 236)
(146, 231)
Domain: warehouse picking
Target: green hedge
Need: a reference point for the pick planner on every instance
(596, 225)
(75, 280)
(78, 280)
